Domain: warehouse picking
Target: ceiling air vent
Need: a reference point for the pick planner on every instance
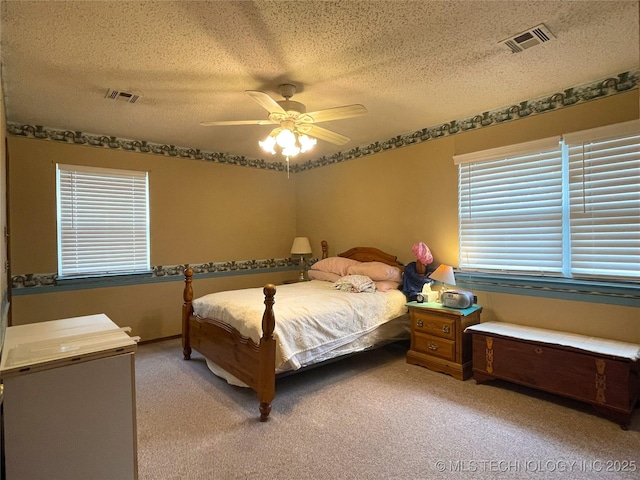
(122, 96)
(529, 38)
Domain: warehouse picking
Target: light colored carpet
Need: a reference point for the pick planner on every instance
(371, 416)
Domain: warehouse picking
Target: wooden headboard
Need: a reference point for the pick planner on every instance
(371, 254)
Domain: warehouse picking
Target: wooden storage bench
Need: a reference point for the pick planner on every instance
(604, 373)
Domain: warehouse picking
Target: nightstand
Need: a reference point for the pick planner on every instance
(438, 341)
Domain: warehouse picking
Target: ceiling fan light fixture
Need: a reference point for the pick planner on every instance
(291, 151)
(291, 143)
(306, 143)
(286, 139)
(268, 143)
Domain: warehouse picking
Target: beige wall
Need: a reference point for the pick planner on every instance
(396, 198)
(389, 200)
(199, 212)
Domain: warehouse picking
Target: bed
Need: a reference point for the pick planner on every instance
(242, 342)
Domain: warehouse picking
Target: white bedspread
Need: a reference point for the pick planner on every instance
(310, 316)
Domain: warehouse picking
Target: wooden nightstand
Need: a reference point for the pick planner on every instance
(438, 341)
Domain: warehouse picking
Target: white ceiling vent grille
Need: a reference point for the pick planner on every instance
(529, 38)
(122, 96)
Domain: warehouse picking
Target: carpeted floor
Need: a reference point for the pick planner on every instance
(371, 416)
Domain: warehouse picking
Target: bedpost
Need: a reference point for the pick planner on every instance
(267, 384)
(325, 248)
(187, 310)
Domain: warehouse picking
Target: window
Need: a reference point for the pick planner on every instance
(604, 198)
(564, 207)
(103, 221)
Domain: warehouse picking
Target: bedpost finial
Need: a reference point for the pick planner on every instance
(268, 318)
(269, 290)
(187, 295)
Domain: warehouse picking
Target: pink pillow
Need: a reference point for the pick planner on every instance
(337, 265)
(385, 286)
(377, 271)
(320, 275)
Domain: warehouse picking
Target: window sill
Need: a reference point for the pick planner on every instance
(103, 280)
(626, 294)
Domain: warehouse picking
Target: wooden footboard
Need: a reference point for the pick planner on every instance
(251, 363)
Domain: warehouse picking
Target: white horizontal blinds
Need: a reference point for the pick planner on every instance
(102, 221)
(510, 209)
(604, 192)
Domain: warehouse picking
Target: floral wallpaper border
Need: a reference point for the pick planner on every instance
(610, 86)
(209, 269)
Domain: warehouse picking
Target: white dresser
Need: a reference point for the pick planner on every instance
(69, 408)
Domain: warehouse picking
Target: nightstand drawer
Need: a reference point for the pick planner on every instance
(434, 346)
(432, 324)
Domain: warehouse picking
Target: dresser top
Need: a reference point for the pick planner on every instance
(463, 312)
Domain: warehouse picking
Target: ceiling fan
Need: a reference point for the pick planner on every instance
(295, 124)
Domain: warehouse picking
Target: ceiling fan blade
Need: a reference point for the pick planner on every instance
(326, 135)
(237, 122)
(337, 113)
(266, 102)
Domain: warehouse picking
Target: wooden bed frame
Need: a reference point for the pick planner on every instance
(253, 364)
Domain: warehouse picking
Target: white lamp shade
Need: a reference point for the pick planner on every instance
(444, 274)
(301, 246)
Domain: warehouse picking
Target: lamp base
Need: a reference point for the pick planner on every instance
(303, 267)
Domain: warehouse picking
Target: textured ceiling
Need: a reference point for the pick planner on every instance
(412, 64)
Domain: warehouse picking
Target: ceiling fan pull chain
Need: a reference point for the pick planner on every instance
(287, 166)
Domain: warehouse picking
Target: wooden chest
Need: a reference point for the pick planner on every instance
(605, 380)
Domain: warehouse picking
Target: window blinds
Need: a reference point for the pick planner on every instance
(102, 221)
(604, 192)
(571, 209)
(510, 209)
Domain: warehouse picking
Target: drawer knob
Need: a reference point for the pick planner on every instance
(446, 329)
(433, 346)
(419, 323)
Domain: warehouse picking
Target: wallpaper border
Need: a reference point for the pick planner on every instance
(612, 85)
(564, 289)
(32, 283)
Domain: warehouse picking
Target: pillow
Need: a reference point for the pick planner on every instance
(355, 284)
(337, 265)
(376, 271)
(320, 275)
(386, 285)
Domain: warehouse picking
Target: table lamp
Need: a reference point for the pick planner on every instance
(443, 274)
(302, 247)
